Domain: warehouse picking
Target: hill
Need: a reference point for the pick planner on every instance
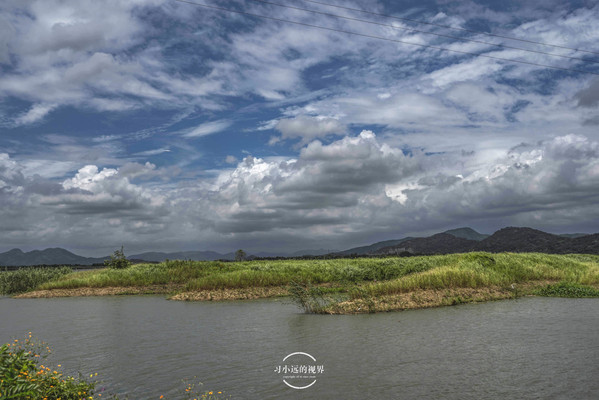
(182, 255)
(511, 239)
(52, 256)
(467, 233)
(441, 243)
(370, 249)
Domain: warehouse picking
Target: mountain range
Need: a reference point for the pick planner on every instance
(59, 256)
(458, 240)
(511, 239)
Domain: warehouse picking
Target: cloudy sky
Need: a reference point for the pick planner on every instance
(163, 125)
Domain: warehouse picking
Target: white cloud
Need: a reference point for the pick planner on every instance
(152, 152)
(351, 188)
(35, 114)
(309, 128)
(208, 128)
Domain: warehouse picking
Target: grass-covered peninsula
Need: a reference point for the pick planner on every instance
(345, 285)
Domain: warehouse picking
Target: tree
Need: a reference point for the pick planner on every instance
(118, 260)
(240, 255)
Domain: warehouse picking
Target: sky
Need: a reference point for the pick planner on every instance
(166, 126)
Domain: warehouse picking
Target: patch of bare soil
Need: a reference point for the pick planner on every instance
(104, 291)
(431, 298)
(232, 294)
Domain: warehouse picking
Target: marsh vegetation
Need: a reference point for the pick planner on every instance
(352, 285)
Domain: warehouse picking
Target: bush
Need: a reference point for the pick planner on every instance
(21, 377)
(118, 260)
(29, 278)
(307, 297)
(567, 289)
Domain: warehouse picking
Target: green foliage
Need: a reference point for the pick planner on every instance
(23, 377)
(29, 278)
(475, 270)
(308, 297)
(568, 289)
(240, 255)
(118, 260)
(374, 276)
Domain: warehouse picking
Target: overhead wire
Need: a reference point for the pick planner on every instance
(383, 38)
(424, 32)
(450, 27)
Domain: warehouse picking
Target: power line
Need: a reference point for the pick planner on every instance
(384, 38)
(450, 27)
(425, 32)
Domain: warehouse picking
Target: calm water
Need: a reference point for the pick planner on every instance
(534, 348)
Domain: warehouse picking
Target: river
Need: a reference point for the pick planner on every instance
(144, 346)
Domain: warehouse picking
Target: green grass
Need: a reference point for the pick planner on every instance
(25, 279)
(566, 289)
(476, 270)
(373, 276)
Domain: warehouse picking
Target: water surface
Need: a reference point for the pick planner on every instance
(144, 346)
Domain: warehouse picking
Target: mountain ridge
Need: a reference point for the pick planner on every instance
(509, 239)
(459, 240)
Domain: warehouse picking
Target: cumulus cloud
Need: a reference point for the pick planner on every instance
(447, 125)
(39, 209)
(354, 187)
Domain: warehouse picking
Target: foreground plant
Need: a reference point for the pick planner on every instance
(23, 377)
(193, 392)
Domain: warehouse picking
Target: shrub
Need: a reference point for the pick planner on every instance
(568, 289)
(29, 278)
(118, 260)
(22, 377)
(307, 297)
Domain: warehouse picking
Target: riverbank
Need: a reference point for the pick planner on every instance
(100, 291)
(342, 286)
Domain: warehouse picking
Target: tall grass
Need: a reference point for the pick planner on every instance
(475, 270)
(25, 279)
(375, 276)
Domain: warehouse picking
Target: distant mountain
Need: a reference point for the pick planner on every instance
(53, 256)
(441, 243)
(459, 240)
(311, 252)
(362, 250)
(182, 255)
(525, 240)
(509, 239)
(467, 233)
(573, 235)
(586, 244)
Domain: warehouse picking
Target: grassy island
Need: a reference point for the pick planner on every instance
(346, 285)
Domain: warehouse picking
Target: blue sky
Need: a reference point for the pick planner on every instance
(162, 125)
